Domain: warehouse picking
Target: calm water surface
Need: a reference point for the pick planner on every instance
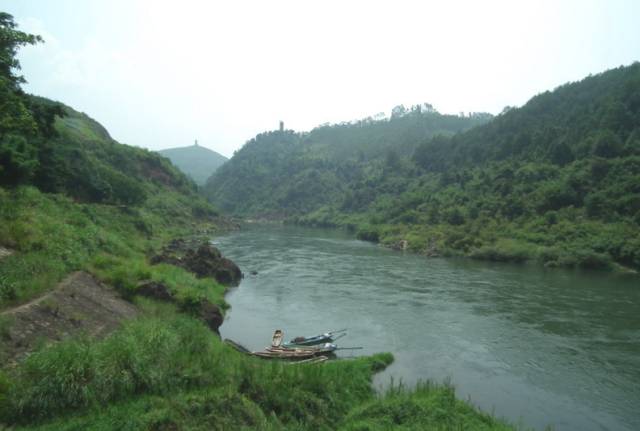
(538, 347)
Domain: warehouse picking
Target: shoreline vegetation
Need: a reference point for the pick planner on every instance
(403, 238)
(554, 181)
(166, 369)
(73, 199)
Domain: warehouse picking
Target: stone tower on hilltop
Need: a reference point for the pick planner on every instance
(281, 126)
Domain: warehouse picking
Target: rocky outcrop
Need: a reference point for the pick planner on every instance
(211, 315)
(204, 260)
(204, 310)
(155, 290)
(401, 245)
(207, 261)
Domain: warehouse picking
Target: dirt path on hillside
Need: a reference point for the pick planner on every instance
(79, 304)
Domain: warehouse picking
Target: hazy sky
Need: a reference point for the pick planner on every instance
(160, 74)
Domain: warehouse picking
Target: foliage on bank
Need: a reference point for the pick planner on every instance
(282, 173)
(71, 198)
(556, 181)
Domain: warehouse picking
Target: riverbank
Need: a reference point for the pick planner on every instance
(568, 244)
(166, 369)
(568, 240)
(519, 340)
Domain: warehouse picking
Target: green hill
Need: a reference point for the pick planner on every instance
(199, 163)
(73, 199)
(287, 173)
(556, 180)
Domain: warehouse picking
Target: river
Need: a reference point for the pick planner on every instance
(538, 347)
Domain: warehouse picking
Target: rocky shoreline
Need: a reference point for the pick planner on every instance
(83, 304)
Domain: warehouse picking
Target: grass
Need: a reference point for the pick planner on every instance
(166, 370)
(170, 373)
(159, 357)
(54, 235)
(568, 239)
(429, 406)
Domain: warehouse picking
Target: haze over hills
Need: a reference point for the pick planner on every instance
(196, 161)
(556, 180)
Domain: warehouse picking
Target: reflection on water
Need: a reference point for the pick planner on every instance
(541, 346)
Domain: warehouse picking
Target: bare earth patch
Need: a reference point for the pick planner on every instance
(4, 252)
(79, 305)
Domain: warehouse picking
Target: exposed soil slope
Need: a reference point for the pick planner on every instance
(79, 304)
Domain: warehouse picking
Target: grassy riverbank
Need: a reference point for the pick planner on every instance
(73, 199)
(166, 369)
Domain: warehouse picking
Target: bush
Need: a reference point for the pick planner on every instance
(504, 250)
(368, 234)
(17, 160)
(589, 259)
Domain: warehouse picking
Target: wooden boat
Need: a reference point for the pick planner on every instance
(239, 347)
(316, 350)
(284, 354)
(314, 360)
(276, 341)
(327, 337)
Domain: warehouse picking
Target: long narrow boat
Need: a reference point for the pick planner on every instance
(327, 337)
(279, 354)
(316, 350)
(314, 360)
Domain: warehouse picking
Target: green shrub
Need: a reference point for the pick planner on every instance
(504, 251)
(368, 234)
(589, 259)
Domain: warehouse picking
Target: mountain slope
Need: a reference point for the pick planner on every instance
(199, 163)
(287, 173)
(557, 181)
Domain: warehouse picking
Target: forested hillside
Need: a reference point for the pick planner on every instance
(73, 199)
(557, 180)
(69, 192)
(199, 163)
(287, 173)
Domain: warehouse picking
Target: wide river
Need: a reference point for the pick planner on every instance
(537, 347)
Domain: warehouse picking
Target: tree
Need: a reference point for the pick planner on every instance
(14, 115)
(607, 145)
(10, 40)
(398, 111)
(26, 122)
(17, 155)
(17, 160)
(392, 159)
(561, 153)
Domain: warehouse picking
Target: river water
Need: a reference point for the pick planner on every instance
(537, 347)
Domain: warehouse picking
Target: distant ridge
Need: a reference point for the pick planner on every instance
(196, 161)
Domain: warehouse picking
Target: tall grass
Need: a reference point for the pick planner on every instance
(54, 235)
(146, 356)
(166, 370)
(178, 355)
(429, 406)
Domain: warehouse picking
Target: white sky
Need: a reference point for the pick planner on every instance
(160, 74)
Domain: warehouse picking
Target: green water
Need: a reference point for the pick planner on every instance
(538, 347)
